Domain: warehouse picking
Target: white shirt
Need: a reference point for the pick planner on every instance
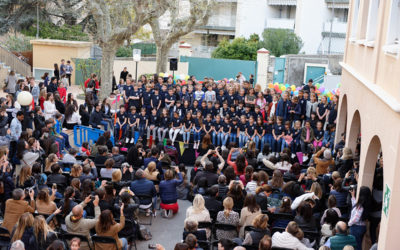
(75, 118)
(49, 109)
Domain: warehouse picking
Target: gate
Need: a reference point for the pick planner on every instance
(279, 71)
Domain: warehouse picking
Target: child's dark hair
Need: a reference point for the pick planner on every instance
(85, 144)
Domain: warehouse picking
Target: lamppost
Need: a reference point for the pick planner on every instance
(25, 99)
(136, 58)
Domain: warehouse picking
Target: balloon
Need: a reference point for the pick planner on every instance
(161, 74)
(298, 88)
(317, 85)
(270, 85)
(293, 87)
(276, 84)
(187, 78)
(322, 89)
(283, 88)
(296, 92)
(183, 82)
(287, 85)
(276, 87)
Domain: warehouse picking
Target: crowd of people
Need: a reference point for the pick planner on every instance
(267, 172)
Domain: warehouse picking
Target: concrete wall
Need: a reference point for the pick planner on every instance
(310, 17)
(294, 73)
(46, 52)
(250, 17)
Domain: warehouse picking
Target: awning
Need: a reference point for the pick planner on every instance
(282, 2)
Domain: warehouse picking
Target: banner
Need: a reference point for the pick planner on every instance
(181, 147)
(165, 142)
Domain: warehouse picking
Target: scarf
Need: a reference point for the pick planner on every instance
(272, 111)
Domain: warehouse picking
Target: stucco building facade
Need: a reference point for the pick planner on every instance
(370, 101)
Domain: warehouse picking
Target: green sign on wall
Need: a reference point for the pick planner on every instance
(386, 200)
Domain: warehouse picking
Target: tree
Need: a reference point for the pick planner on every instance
(114, 25)
(17, 15)
(281, 42)
(240, 48)
(181, 22)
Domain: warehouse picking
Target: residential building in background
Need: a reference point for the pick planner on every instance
(321, 24)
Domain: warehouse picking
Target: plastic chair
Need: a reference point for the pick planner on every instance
(223, 227)
(68, 236)
(103, 240)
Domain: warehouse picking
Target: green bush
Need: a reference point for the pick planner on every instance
(18, 43)
(52, 31)
(124, 51)
(240, 48)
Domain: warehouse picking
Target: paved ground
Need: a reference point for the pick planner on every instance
(166, 232)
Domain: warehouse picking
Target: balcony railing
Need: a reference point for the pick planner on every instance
(337, 27)
(280, 23)
(282, 2)
(16, 64)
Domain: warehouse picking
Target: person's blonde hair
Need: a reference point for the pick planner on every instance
(76, 170)
(49, 162)
(316, 188)
(116, 175)
(198, 203)
(335, 175)
(151, 167)
(24, 175)
(25, 221)
(312, 171)
(228, 205)
(40, 227)
(260, 221)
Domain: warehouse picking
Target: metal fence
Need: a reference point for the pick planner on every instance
(16, 64)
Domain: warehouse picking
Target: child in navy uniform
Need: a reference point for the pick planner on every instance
(142, 121)
(120, 125)
(132, 125)
(187, 128)
(165, 123)
(216, 131)
(176, 127)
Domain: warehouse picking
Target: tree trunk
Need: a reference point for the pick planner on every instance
(107, 64)
(162, 56)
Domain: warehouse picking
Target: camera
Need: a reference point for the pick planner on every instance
(152, 246)
(352, 187)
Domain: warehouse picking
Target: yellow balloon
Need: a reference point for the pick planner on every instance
(161, 74)
(270, 85)
(283, 88)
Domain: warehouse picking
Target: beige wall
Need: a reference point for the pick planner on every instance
(370, 105)
(47, 52)
(376, 119)
(371, 61)
(145, 67)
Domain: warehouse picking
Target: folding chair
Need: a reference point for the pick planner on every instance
(103, 240)
(66, 237)
(129, 232)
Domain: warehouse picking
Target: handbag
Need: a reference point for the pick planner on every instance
(144, 233)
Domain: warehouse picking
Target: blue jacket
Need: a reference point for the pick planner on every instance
(282, 109)
(144, 187)
(168, 192)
